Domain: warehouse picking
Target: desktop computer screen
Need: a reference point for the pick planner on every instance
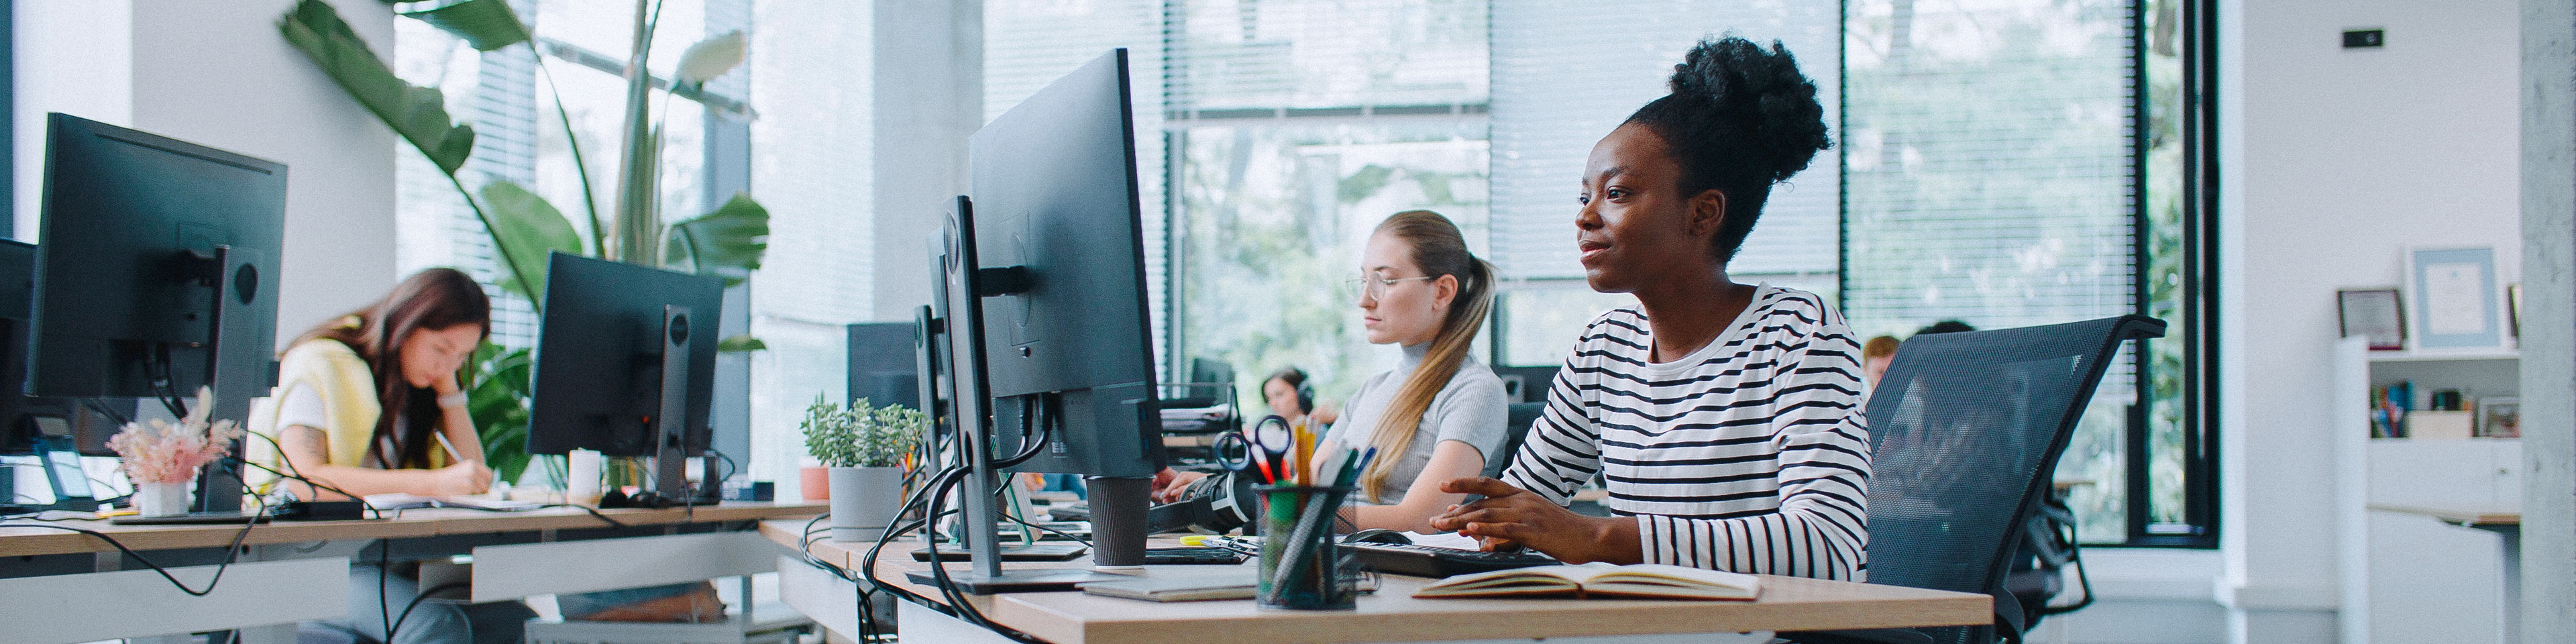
(599, 381)
(1054, 203)
(1045, 306)
(157, 269)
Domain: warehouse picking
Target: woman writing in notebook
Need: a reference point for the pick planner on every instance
(368, 402)
(1725, 418)
(1439, 414)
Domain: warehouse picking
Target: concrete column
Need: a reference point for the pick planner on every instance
(929, 96)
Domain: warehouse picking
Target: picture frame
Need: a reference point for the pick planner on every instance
(2513, 309)
(2499, 417)
(2454, 299)
(2378, 314)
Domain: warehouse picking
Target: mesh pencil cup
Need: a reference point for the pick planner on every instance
(1301, 566)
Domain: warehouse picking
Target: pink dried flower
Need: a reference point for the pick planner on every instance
(160, 452)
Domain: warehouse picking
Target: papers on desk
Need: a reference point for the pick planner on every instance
(1229, 585)
(401, 501)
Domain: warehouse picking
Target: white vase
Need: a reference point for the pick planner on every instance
(864, 501)
(162, 499)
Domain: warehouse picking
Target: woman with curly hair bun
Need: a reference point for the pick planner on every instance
(1724, 418)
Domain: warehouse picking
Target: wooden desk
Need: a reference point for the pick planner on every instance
(1392, 615)
(18, 538)
(2463, 517)
(61, 586)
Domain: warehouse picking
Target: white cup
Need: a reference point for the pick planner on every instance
(581, 485)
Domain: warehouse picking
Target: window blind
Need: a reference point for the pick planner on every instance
(1565, 74)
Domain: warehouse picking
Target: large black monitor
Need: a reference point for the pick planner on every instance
(156, 272)
(1044, 278)
(626, 366)
(157, 268)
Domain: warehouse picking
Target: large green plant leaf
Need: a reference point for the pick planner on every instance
(485, 24)
(710, 58)
(727, 242)
(497, 399)
(418, 114)
(528, 228)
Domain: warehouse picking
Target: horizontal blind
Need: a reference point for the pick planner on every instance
(1242, 55)
(1565, 74)
(1989, 167)
(1030, 43)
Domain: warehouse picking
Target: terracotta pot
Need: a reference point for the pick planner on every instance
(816, 482)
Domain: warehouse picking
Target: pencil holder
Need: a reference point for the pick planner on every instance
(1301, 566)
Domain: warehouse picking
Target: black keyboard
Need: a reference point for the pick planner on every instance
(1432, 561)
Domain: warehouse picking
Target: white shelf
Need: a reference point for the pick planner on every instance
(2464, 355)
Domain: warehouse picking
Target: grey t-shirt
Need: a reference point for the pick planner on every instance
(1471, 409)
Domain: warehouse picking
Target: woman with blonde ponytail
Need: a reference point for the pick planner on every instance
(1439, 415)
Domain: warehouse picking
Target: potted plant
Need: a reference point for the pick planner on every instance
(162, 458)
(866, 449)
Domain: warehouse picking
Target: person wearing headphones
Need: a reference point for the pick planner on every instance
(1291, 397)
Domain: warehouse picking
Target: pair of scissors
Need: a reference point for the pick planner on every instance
(1263, 448)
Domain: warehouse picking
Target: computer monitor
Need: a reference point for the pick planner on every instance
(626, 366)
(26, 420)
(1044, 278)
(882, 368)
(156, 271)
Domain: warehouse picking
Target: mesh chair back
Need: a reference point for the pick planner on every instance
(1967, 429)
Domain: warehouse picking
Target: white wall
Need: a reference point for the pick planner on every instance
(2334, 161)
(219, 74)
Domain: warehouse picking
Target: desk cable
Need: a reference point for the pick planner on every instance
(232, 553)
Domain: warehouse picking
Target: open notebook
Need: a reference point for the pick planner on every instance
(1654, 581)
(401, 501)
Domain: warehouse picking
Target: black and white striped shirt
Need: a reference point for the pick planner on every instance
(1749, 455)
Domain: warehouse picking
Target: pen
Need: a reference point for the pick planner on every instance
(452, 454)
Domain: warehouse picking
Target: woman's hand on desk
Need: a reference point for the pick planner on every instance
(462, 479)
(1509, 517)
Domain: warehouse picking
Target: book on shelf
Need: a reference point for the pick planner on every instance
(1597, 579)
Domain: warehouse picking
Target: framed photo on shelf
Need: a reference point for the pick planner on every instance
(2375, 314)
(2499, 417)
(2513, 308)
(2454, 298)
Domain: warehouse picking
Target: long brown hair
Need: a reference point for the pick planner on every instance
(1439, 250)
(431, 300)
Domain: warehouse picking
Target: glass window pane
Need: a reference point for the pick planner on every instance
(1989, 180)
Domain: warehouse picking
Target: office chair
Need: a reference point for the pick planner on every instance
(1965, 431)
(1516, 428)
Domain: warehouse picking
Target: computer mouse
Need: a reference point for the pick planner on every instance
(1378, 535)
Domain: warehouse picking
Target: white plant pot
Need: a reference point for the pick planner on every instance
(864, 501)
(162, 499)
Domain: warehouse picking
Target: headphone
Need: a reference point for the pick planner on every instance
(1305, 388)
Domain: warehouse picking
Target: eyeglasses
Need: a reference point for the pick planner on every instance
(1375, 287)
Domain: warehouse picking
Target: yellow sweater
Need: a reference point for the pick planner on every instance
(348, 389)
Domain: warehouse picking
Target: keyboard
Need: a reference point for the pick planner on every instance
(1434, 561)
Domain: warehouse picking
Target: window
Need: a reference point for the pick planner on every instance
(2002, 162)
(808, 148)
(2017, 162)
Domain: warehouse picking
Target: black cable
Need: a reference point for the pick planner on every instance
(232, 552)
(1031, 414)
(416, 599)
(948, 587)
(1085, 542)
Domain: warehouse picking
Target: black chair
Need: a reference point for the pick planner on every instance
(1966, 430)
(1516, 428)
